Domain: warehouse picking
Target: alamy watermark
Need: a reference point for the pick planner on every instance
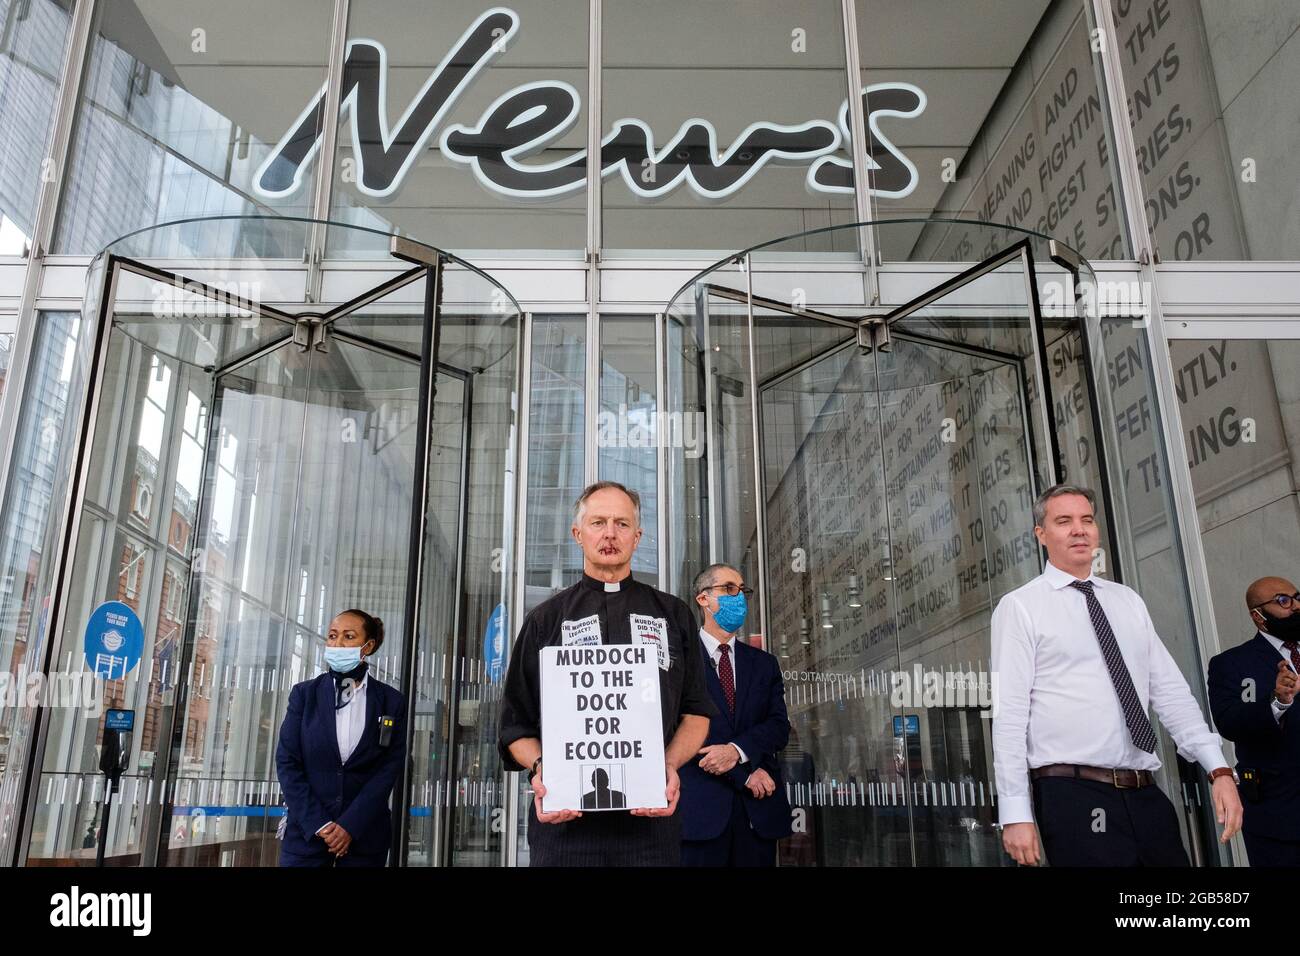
(645, 428)
(920, 688)
(78, 690)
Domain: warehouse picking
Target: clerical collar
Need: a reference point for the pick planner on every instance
(609, 587)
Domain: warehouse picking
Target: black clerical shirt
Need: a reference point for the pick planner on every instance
(591, 612)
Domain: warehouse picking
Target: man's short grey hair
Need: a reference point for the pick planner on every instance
(580, 504)
(1040, 503)
(706, 577)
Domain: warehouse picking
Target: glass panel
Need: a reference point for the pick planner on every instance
(31, 523)
(627, 425)
(1237, 404)
(480, 336)
(714, 102)
(132, 547)
(175, 121)
(1014, 129)
(190, 325)
(432, 770)
(846, 767)
(556, 454)
(1147, 528)
(245, 650)
(902, 507)
(686, 475)
(1209, 99)
(417, 158)
(334, 521)
(33, 34)
(6, 359)
(958, 490)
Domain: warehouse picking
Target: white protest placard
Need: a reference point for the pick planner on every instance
(602, 728)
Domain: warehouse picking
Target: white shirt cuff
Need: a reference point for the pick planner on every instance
(1015, 810)
(322, 828)
(1211, 758)
(1279, 708)
(743, 758)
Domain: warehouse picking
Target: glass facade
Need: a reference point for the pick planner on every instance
(170, 121)
(1206, 96)
(32, 41)
(1137, 135)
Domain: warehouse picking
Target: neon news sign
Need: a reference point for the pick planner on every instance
(523, 121)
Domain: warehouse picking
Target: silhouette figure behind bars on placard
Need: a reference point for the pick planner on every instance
(602, 797)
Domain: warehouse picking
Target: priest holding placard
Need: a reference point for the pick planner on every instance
(605, 699)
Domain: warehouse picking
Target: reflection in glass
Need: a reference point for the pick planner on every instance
(174, 120)
(32, 37)
(627, 425)
(556, 452)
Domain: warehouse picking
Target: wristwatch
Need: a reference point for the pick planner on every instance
(1223, 772)
(532, 771)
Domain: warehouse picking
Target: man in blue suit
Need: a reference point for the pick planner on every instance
(733, 802)
(342, 745)
(1252, 691)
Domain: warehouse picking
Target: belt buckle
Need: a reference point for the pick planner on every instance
(1114, 776)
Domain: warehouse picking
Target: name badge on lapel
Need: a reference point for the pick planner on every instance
(584, 632)
(652, 631)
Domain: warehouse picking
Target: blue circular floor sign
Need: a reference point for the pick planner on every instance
(494, 644)
(114, 640)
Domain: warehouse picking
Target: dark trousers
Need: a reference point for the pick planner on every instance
(604, 838)
(1087, 823)
(348, 859)
(737, 845)
(1266, 851)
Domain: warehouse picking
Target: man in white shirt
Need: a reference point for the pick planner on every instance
(1078, 662)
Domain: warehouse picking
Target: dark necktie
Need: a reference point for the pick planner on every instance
(1139, 728)
(1295, 655)
(726, 676)
(345, 685)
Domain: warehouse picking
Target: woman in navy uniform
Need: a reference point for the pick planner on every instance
(341, 747)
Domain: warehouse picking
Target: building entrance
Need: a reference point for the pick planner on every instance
(265, 445)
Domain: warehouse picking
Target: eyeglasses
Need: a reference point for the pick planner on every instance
(732, 589)
(1285, 601)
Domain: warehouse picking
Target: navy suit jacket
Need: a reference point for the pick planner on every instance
(319, 788)
(761, 728)
(1263, 743)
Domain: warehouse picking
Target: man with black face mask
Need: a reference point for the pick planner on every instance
(1252, 691)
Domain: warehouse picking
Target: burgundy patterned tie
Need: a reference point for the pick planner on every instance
(1295, 655)
(727, 678)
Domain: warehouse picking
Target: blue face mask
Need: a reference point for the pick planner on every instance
(731, 611)
(343, 659)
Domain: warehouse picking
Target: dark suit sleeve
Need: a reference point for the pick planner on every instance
(772, 732)
(521, 708)
(305, 811)
(695, 693)
(1241, 721)
(372, 799)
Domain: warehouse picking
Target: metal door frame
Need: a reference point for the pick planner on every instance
(154, 841)
(873, 333)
